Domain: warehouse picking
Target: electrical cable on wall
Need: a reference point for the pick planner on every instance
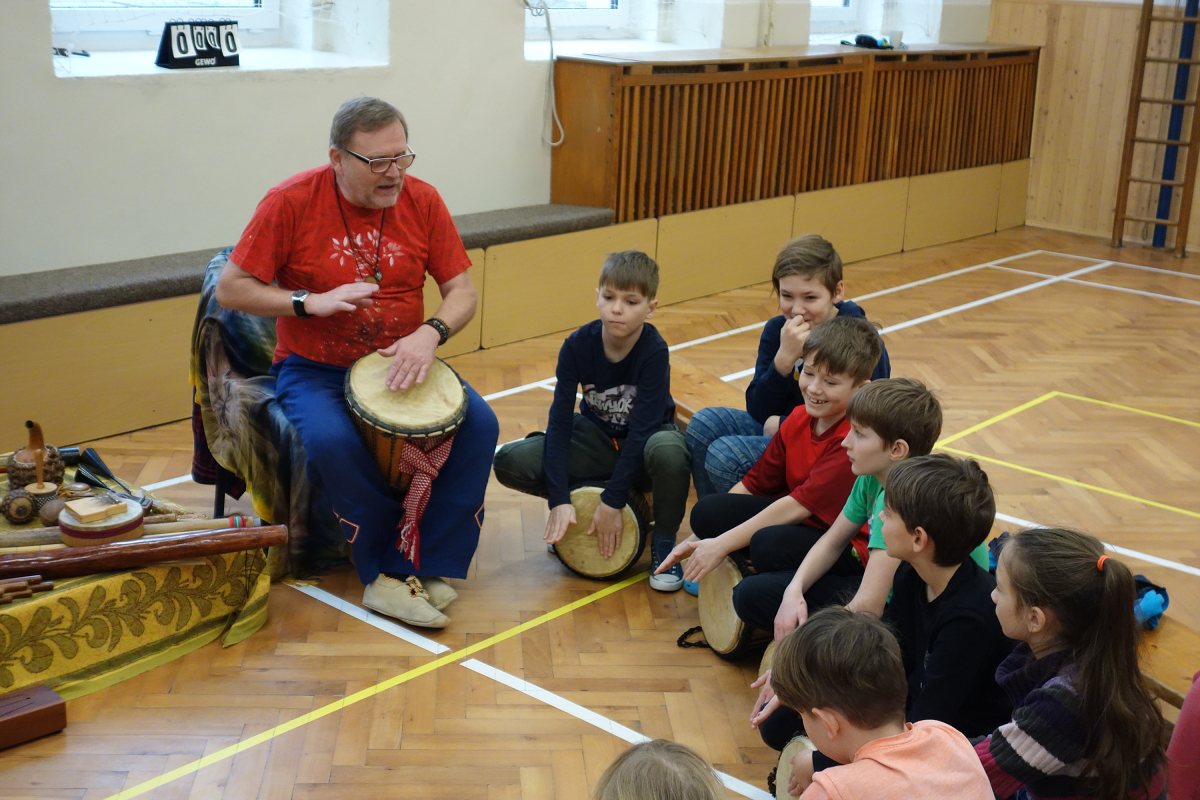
(539, 9)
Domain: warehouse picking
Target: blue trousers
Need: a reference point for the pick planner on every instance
(312, 398)
(724, 443)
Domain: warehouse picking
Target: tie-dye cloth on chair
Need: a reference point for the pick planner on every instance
(241, 429)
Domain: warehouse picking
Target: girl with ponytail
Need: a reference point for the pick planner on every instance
(1084, 724)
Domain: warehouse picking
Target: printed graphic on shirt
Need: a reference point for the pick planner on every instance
(360, 252)
(614, 405)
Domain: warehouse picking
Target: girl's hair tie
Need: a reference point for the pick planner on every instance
(1100, 562)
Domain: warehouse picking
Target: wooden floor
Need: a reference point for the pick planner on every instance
(1073, 379)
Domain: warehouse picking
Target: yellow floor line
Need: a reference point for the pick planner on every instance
(371, 691)
(998, 418)
(1131, 409)
(1071, 482)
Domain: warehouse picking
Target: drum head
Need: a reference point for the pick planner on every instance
(723, 629)
(581, 553)
(767, 657)
(432, 408)
(783, 772)
(117, 528)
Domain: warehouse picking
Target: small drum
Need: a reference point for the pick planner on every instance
(119, 527)
(724, 631)
(783, 771)
(768, 657)
(426, 412)
(581, 553)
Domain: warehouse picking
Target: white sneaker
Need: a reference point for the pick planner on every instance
(404, 600)
(441, 594)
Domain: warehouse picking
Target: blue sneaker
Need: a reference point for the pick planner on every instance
(672, 579)
(692, 588)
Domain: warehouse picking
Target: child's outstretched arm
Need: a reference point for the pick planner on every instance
(876, 584)
(703, 555)
(557, 444)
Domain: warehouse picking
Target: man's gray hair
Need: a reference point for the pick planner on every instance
(362, 114)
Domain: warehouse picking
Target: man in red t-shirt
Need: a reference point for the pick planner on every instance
(338, 254)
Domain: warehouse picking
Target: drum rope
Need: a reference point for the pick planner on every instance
(682, 641)
(423, 467)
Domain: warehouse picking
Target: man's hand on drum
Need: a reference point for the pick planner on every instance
(766, 703)
(607, 526)
(561, 518)
(347, 297)
(411, 356)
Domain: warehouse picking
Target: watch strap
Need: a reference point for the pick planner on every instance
(298, 298)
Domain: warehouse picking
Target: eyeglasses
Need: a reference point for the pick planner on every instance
(381, 165)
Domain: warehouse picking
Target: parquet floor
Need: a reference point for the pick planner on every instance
(1070, 377)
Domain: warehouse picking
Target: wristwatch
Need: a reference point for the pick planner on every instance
(441, 327)
(298, 298)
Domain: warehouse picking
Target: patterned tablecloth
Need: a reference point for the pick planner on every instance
(94, 631)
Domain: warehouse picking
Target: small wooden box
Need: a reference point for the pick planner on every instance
(29, 714)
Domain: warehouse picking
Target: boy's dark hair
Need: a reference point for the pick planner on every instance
(949, 497)
(845, 661)
(898, 408)
(844, 346)
(630, 269)
(811, 256)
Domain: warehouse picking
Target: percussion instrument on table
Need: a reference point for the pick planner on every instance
(783, 771)
(724, 631)
(580, 553)
(423, 414)
(123, 524)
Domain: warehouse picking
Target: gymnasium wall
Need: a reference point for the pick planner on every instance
(1081, 106)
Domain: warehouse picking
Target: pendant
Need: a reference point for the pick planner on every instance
(372, 279)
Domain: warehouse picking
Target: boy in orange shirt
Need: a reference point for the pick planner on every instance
(842, 672)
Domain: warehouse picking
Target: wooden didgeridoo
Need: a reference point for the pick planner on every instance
(74, 561)
(39, 536)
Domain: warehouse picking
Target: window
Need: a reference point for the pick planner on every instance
(833, 16)
(93, 23)
(581, 19)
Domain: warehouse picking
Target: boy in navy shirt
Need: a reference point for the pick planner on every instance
(624, 433)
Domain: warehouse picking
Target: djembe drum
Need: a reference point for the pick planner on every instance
(724, 630)
(423, 415)
(783, 770)
(580, 553)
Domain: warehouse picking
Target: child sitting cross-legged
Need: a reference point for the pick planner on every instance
(796, 489)
(625, 434)
(843, 673)
(1083, 723)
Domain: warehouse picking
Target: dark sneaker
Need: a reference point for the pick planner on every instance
(672, 579)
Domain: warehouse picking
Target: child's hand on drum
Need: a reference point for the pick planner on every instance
(607, 526)
(766, 703)
(561, 518)
(802, 771)
(793, 612)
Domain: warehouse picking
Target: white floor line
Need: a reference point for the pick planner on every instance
(150, 487)
(374, 620)
(544, 383)
(1067, 255)
(945, 312)
(592, 718)
(1124, 551)
(983, 301)
(1019, 255)
(715, 336)
(513, 682)
(1125, 289)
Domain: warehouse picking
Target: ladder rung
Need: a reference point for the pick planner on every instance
(1168, 222)
(1164, 101)
(1175, 19)
(1157, 181)
(1173, 142)
(1165, 60)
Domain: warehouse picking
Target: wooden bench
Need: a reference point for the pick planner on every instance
(694, 388)
(1170, 657)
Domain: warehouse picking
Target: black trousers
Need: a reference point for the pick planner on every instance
(775, 553)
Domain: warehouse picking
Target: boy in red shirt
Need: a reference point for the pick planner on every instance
(797, 488)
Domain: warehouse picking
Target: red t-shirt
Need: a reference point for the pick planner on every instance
(297, 239)
(812, 469)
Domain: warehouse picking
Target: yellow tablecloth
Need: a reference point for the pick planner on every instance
(92, 632)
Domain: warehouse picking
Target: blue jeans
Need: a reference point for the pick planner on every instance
(312, 397)
(724, 443)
